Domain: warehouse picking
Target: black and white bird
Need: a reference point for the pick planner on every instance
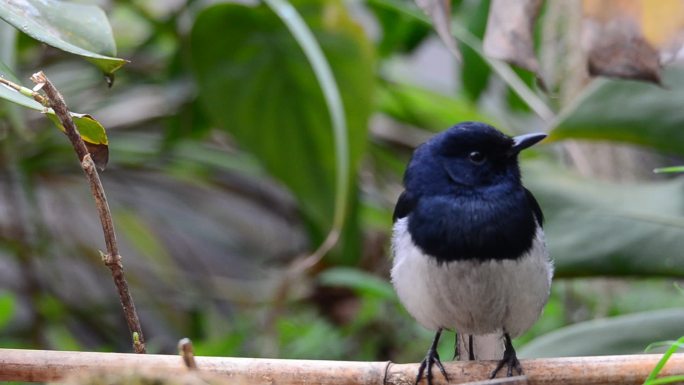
(468, 245)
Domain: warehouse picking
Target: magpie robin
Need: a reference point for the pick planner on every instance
(468, 244)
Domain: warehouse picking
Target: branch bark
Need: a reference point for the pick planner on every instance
(42, 365)
(111, 259)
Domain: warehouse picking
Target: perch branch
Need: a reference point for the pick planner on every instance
(42, 365)
(111, 259)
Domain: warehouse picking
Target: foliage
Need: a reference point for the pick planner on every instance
(225, 170)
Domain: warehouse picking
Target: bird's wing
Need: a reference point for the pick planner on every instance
(405, 204)
(535, 207)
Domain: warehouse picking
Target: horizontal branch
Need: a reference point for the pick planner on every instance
(43, 365)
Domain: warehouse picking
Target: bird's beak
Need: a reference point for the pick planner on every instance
(522, 142)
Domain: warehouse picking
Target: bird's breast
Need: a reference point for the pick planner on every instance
(452, 228)
(471, 296)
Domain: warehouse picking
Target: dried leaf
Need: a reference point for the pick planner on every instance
(615, 43)
(509, 34)
(440, 14)
(99, 153)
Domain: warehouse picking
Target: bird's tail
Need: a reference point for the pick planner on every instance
(484, 347)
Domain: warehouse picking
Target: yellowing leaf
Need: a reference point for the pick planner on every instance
(92, 133)
(632, 38)
(616, 45)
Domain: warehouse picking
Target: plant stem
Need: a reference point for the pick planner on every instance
(111, 259)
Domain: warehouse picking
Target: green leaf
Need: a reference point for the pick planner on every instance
(7, 307)
(76, 28)
(400, 33)
(596, 228)
(359, 280)
(92, 132)
(426, 109)
(90, 129)
(331, 94)
(7, 73)
(474, 71)
(629, 111)
(664, 170)
(256, 83)
(674, 346)
(627, 334)
(676, 379)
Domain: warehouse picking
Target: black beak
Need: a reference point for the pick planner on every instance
(522, 142)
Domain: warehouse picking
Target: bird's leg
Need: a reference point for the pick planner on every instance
(469, 349)
(509, 358)
(432, 357)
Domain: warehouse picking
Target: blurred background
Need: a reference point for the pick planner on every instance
(224, 178)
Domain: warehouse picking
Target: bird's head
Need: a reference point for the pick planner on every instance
(468, 156)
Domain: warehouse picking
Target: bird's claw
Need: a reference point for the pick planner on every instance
(509, 359)
(432, 358)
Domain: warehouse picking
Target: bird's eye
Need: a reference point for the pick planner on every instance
(476, 157)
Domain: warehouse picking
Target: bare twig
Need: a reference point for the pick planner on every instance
(111, 259)
(186, 351)
(44, 365)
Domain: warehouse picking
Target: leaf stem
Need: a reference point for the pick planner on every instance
(24, 91)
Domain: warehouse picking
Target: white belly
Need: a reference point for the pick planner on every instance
(471, 297)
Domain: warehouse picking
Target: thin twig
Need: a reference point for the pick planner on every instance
(111, 259)
(186, 351)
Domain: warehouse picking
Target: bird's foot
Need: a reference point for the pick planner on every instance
(509, 359)
(431, 358)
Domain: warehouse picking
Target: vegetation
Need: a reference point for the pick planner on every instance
(242, 137)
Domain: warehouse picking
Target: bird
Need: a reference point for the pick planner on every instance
(468, 245)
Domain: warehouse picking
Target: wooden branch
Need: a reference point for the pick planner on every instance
(42, 365)
(112, 259)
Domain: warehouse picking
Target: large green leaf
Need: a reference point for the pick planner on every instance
(628, 334)
(596, 228)
(629, 111)
(401, 34)
(474, 71)
(426, 109)
(77, 28)
(256, 83)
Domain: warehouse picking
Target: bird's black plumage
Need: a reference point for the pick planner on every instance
(465, 211)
